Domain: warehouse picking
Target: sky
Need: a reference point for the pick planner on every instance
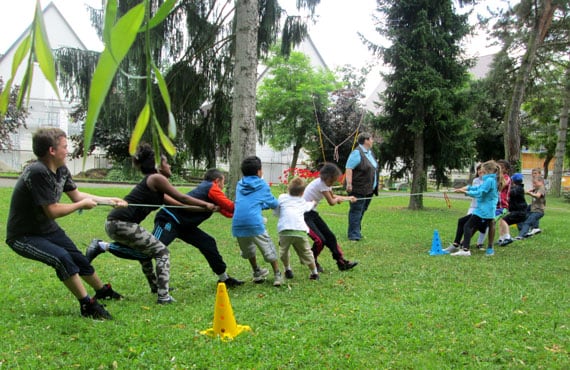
(335, 33)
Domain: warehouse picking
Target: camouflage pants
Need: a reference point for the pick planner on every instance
(134, 236)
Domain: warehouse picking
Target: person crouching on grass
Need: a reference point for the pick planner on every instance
(32, 231)
(487, 195)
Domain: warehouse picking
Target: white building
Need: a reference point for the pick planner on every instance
(44, 107)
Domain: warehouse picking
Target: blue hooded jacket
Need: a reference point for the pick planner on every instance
(487, 195)
(253, 195)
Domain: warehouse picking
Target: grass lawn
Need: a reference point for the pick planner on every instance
(399, 308)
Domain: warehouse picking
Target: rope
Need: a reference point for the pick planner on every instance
(336, 156)
(445, 197)
(197, 208)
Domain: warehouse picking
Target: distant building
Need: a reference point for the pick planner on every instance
(44, 108)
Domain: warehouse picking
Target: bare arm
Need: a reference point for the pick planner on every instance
(80, 201)
(333, 199)
(348, 178)
(160, 183)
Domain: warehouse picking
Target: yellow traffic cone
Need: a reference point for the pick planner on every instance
(224, 321)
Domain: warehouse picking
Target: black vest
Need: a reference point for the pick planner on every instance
(363, 175)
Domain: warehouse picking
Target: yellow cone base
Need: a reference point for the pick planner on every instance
(224, 321)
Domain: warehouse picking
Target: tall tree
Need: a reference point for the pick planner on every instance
(423, 120)
(290, 99)
(525, 25)
(245, 79)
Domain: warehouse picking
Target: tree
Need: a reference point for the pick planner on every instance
(12, 120)
(289, 101)
(423, 121)
(245, 79)
(527, 24)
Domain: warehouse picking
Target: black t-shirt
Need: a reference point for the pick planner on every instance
(36, 187)
(140, 195)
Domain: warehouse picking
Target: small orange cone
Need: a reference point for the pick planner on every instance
(224, 321)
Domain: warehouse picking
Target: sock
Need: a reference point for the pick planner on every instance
(85, 300)
(314, 271)
(507, 236)
(288, 267)
(103, 245)
(223, 276)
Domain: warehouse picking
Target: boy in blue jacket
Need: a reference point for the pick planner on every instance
(253, 195)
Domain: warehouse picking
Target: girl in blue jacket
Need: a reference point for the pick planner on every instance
(487, 195)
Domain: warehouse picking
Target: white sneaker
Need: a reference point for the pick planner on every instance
(462, 253)
(452, 248)
(278, 279)
(534, 232)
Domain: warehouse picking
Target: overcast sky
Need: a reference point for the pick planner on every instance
(335, 34)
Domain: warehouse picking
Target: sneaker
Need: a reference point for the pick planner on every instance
(452, 248)
(278, 279)
(319, 267)
(346, 265)
(506, 242)
(231, 282)
(259, 275)
(489, 252)
(107, 293)
(95, 310)
(166, 300)
(462, 253)
(314, 277)
(289, 274)
(480, 247)
(93, 250)
(534, 232)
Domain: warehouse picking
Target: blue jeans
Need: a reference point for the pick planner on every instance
(355, 216)
(530, 222)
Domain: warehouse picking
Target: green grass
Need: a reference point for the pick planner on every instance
(399, 308)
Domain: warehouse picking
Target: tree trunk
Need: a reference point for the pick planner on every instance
(296, 150)
(556, 181)
(418, 174)
(512, 136)
(243, 134)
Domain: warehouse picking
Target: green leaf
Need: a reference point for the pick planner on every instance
(5, 98)
(21, 53)
(171, 125)
(161, 13)
(25, 85)
(164, 140)
(122, 38)
(140, 127)
(43, 51)
(162, 87)
(110, 16)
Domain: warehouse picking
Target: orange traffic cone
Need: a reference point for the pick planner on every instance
(224, 321)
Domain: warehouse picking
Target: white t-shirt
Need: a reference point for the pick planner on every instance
(290, 212)
(314, 191)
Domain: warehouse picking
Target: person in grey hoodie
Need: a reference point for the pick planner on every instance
(253, 195)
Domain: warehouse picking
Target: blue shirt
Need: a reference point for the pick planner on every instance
(253, 195)
(354, 160)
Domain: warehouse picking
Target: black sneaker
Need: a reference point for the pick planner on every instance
(319, 267)
(95, 310)
(93, 250)
(346, 265)
(314, 276)
(231, 282)
(289, 274)
(107, 293)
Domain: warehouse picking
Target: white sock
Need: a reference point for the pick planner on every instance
(223, 276)
(104, 245)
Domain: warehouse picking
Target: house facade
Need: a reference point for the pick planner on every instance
(44, 107)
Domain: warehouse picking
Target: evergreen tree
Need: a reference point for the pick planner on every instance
(423, 122)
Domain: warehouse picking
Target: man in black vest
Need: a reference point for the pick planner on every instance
(361, 181)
